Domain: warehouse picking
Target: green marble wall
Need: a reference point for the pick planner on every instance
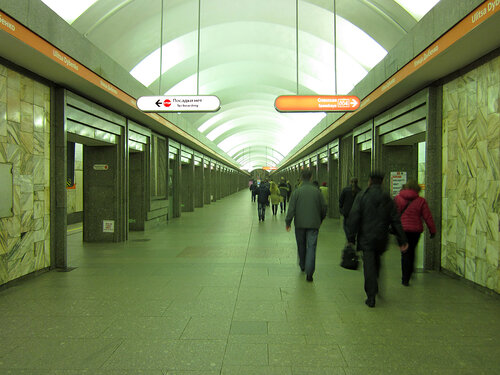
(471, 175)
(25, 143)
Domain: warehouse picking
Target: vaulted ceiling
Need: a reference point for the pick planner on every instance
(247, 53)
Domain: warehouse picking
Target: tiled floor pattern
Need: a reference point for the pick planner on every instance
(218, 292)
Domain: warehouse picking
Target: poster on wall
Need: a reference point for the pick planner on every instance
(108, 226)
(398, 179)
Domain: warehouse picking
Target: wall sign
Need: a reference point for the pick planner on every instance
(398, 179)
(101, 167)
(108, 226)
(314, 103)
(196, 103)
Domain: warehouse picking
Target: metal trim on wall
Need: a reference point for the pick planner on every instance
(407, 131)
(93, 109)
(83, 131)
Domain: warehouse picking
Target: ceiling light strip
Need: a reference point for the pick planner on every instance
(335, 43)
(297, 41)
(198, 62)
(161, 48)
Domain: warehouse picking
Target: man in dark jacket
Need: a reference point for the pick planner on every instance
(371, 215)
(346, 200)
(263, 194)
(307, 208)
(284, 193)
(253, 189)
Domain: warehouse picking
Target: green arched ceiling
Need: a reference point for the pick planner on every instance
(247, 56)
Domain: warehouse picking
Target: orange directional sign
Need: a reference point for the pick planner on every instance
(313, 103)
(269, 168)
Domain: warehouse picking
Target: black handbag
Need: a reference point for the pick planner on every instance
(349, 259)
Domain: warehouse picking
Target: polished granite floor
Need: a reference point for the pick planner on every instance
(218, 292)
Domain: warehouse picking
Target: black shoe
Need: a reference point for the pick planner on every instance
(309, 278)
(370, 302)
(405, 283)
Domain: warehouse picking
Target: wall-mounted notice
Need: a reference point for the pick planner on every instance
(398, 179)
(108, 226)
(101, 167)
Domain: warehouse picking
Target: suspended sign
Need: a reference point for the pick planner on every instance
(269, 168)
(195, 103)
(313, 103)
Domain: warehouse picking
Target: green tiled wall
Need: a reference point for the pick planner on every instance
(25, 143)
(471, 175)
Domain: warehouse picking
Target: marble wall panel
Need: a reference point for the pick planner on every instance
(38, 143)
(13, 105)
(27, 123)
(4, 272)
(39, 255)
(471, 175)
(27, 87)
(13, 133)
(25, 143)
(3, 242)
(3, 119)
(3, 89)
(38, 170)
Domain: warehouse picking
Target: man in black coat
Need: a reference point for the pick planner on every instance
(346, 200)
(284, 192)
(372, 213)
(263, 194)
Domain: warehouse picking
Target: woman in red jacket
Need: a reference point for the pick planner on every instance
(413, 209)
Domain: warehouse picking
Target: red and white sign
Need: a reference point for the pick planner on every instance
(101, 167)
(314, 103)
(197, 103)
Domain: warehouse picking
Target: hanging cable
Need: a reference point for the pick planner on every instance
(297, 41)
(198, 63)
(161, 48)
(335, 43)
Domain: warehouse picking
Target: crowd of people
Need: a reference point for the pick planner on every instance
(369, 217)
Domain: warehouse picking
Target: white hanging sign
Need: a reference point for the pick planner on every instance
(183, 103)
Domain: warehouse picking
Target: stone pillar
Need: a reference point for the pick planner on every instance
(433, 175)
(58, 167)
(198, 184)
(187, 186)
(207, 182)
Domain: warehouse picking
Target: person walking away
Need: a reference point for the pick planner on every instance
(275, 197)
(289, 190)
(307, 208)
(413, 209)
(263, 194)
(346, 200)
(372, 213)
(284, 192)
(253, 188)
(324, 190)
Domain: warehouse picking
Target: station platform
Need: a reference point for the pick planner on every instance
(218, 292)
